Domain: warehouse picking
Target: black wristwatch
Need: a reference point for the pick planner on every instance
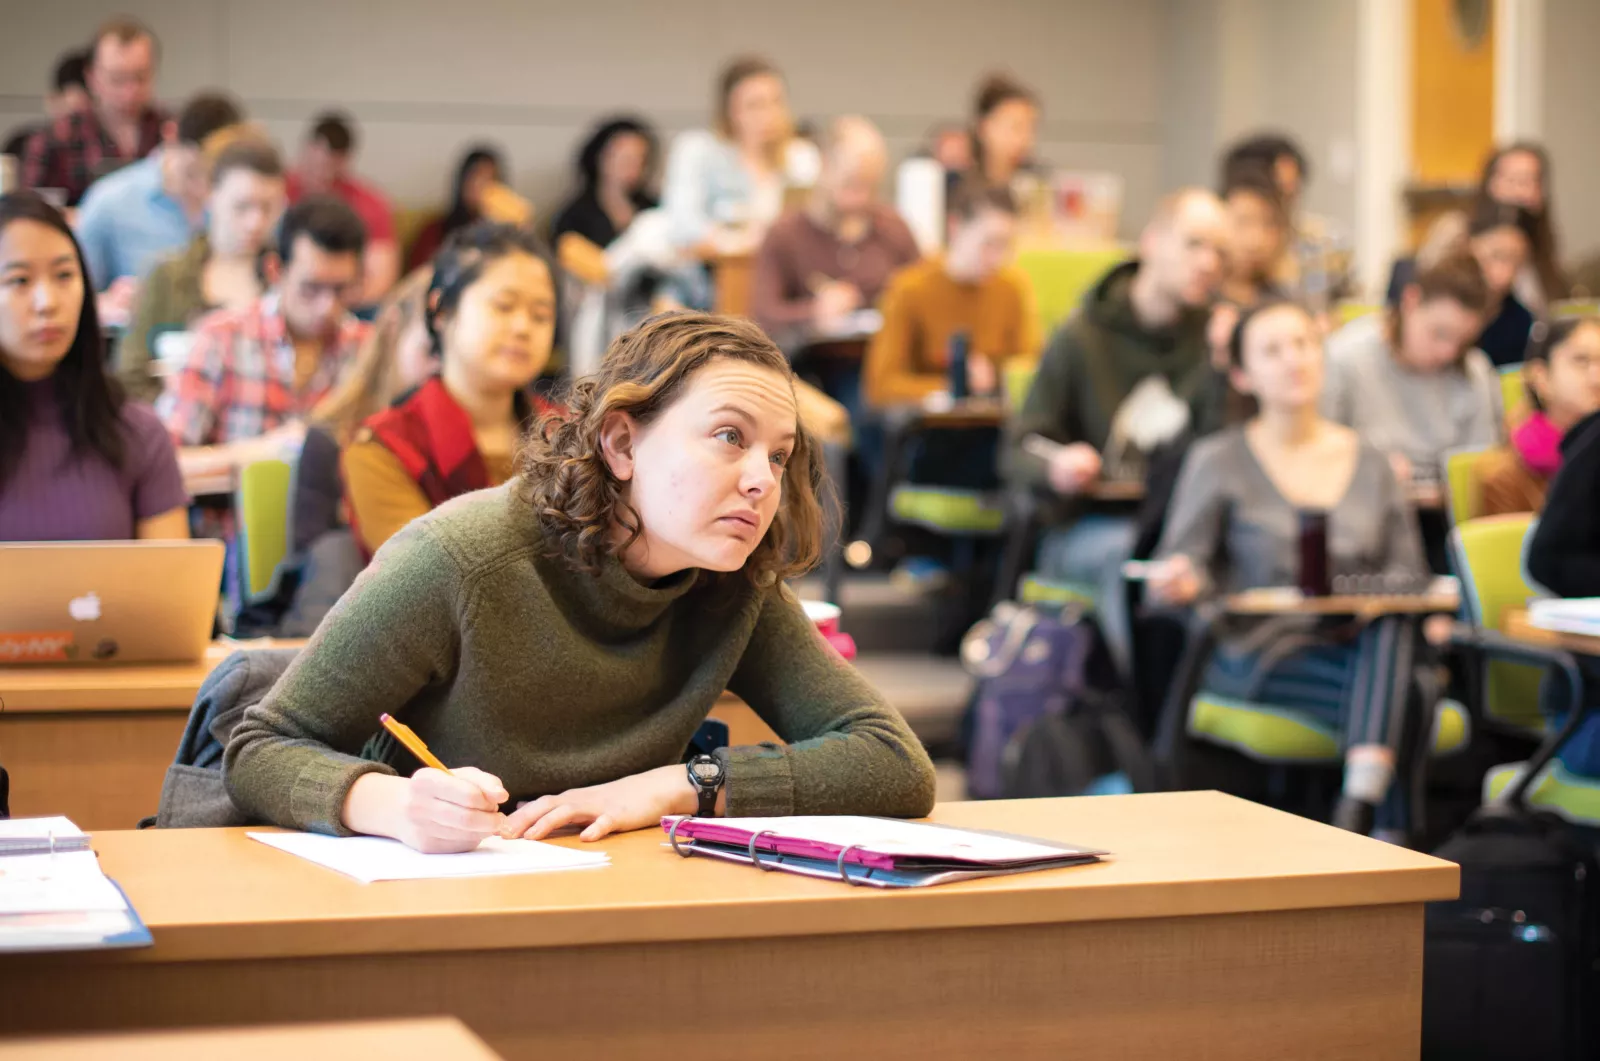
(706, 774)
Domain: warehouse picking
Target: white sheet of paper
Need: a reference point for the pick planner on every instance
(373, 858)
(30, 828)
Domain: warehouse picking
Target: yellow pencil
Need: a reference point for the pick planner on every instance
(413, 743)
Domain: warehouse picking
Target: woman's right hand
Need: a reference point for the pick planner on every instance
(432, 811)
(1172, 581)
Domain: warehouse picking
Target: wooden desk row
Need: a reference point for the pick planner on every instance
(94, 743)
(1220, 928)
(430, 1039)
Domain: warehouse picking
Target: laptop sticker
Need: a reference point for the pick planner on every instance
(38, 646)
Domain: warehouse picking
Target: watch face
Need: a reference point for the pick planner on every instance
(706, 769)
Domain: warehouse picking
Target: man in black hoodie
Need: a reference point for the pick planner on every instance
(1140, 334)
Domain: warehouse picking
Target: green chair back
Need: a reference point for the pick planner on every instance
(1488, 559)
(1060, 278)
(1345, 312)
(262, 504)
(1461, 477)
(1512, 391)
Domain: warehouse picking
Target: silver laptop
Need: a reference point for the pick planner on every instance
(91, 603)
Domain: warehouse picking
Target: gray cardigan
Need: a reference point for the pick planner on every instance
(1242, 533)
(1422, 417)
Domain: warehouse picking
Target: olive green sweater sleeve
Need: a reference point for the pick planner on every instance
(294, 756)
(847, 750)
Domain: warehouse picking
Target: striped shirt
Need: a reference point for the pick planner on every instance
(55, 494)
(239, 380)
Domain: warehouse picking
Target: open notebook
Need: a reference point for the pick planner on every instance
(1572, 615)
(53, 895)
(880, 852)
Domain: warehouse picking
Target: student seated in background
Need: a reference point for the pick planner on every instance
(324, 168)
(122, 123)
(1562, 380)
(491, 313)
(971, 289)
(723, 189)
(1515, 175)
(252, 375)
(1410, 380)
(77, 461)
(820, 264)
(1563, 556)
(1258, 238)
(1500, 237)
(394, 358)
(559, 639)
(1316, 269)
(614, 170)
(145, 211)
(221, 269)
(1126, 373)
(68, 94)
(479, 169)
(1005, 130)
(1234, 525)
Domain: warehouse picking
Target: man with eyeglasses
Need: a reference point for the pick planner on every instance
(122, 124)
(252, 375)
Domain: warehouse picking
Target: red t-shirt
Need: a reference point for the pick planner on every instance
(365, 200)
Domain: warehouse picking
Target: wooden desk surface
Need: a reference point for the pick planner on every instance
(1514, 624)
(131, 687)
(429, 1039)
(216, 894)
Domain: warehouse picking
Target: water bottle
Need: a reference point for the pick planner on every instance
(959, 343)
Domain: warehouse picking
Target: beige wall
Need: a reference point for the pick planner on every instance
(429, 77)
(1572, 121)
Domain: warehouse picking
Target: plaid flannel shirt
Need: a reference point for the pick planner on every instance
(77, 150)
(238, 382)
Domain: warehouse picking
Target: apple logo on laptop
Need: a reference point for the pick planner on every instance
(84, 609)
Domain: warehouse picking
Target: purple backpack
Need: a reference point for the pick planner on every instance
(1030, 664)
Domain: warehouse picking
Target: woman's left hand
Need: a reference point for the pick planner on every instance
(619, 806)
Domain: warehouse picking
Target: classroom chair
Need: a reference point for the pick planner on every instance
(1286, 741)
(263, 502)
(1463, 491)
(1487, 555)
(1513, 392)
(1345, 312)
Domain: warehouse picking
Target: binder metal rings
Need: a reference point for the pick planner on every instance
(672, 838)
(839, 866)
(755, 859)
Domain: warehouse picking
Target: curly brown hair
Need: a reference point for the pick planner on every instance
(564, 475)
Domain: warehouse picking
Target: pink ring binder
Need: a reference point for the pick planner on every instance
(672, 838)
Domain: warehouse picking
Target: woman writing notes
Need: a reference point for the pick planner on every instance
(77, 461)
(1235, 525)
(560, 638)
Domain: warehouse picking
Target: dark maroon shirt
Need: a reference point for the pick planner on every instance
(58, 495)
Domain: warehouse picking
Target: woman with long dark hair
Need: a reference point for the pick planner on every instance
(77, 461)
(479, 168)
(614, 170)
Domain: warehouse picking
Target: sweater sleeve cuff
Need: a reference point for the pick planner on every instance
(760, 782)
(316, 802)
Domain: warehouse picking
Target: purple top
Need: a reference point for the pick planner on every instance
(57, 495)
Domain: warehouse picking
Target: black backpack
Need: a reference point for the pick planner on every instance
(1512, 967)
(1093, 747)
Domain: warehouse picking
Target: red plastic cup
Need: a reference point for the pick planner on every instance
(826, 618)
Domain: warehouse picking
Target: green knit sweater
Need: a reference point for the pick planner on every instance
(505, 659)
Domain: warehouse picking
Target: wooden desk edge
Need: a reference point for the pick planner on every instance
(947, 907)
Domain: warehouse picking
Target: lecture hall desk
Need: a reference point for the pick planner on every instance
(94, 743)
(1222, 929)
